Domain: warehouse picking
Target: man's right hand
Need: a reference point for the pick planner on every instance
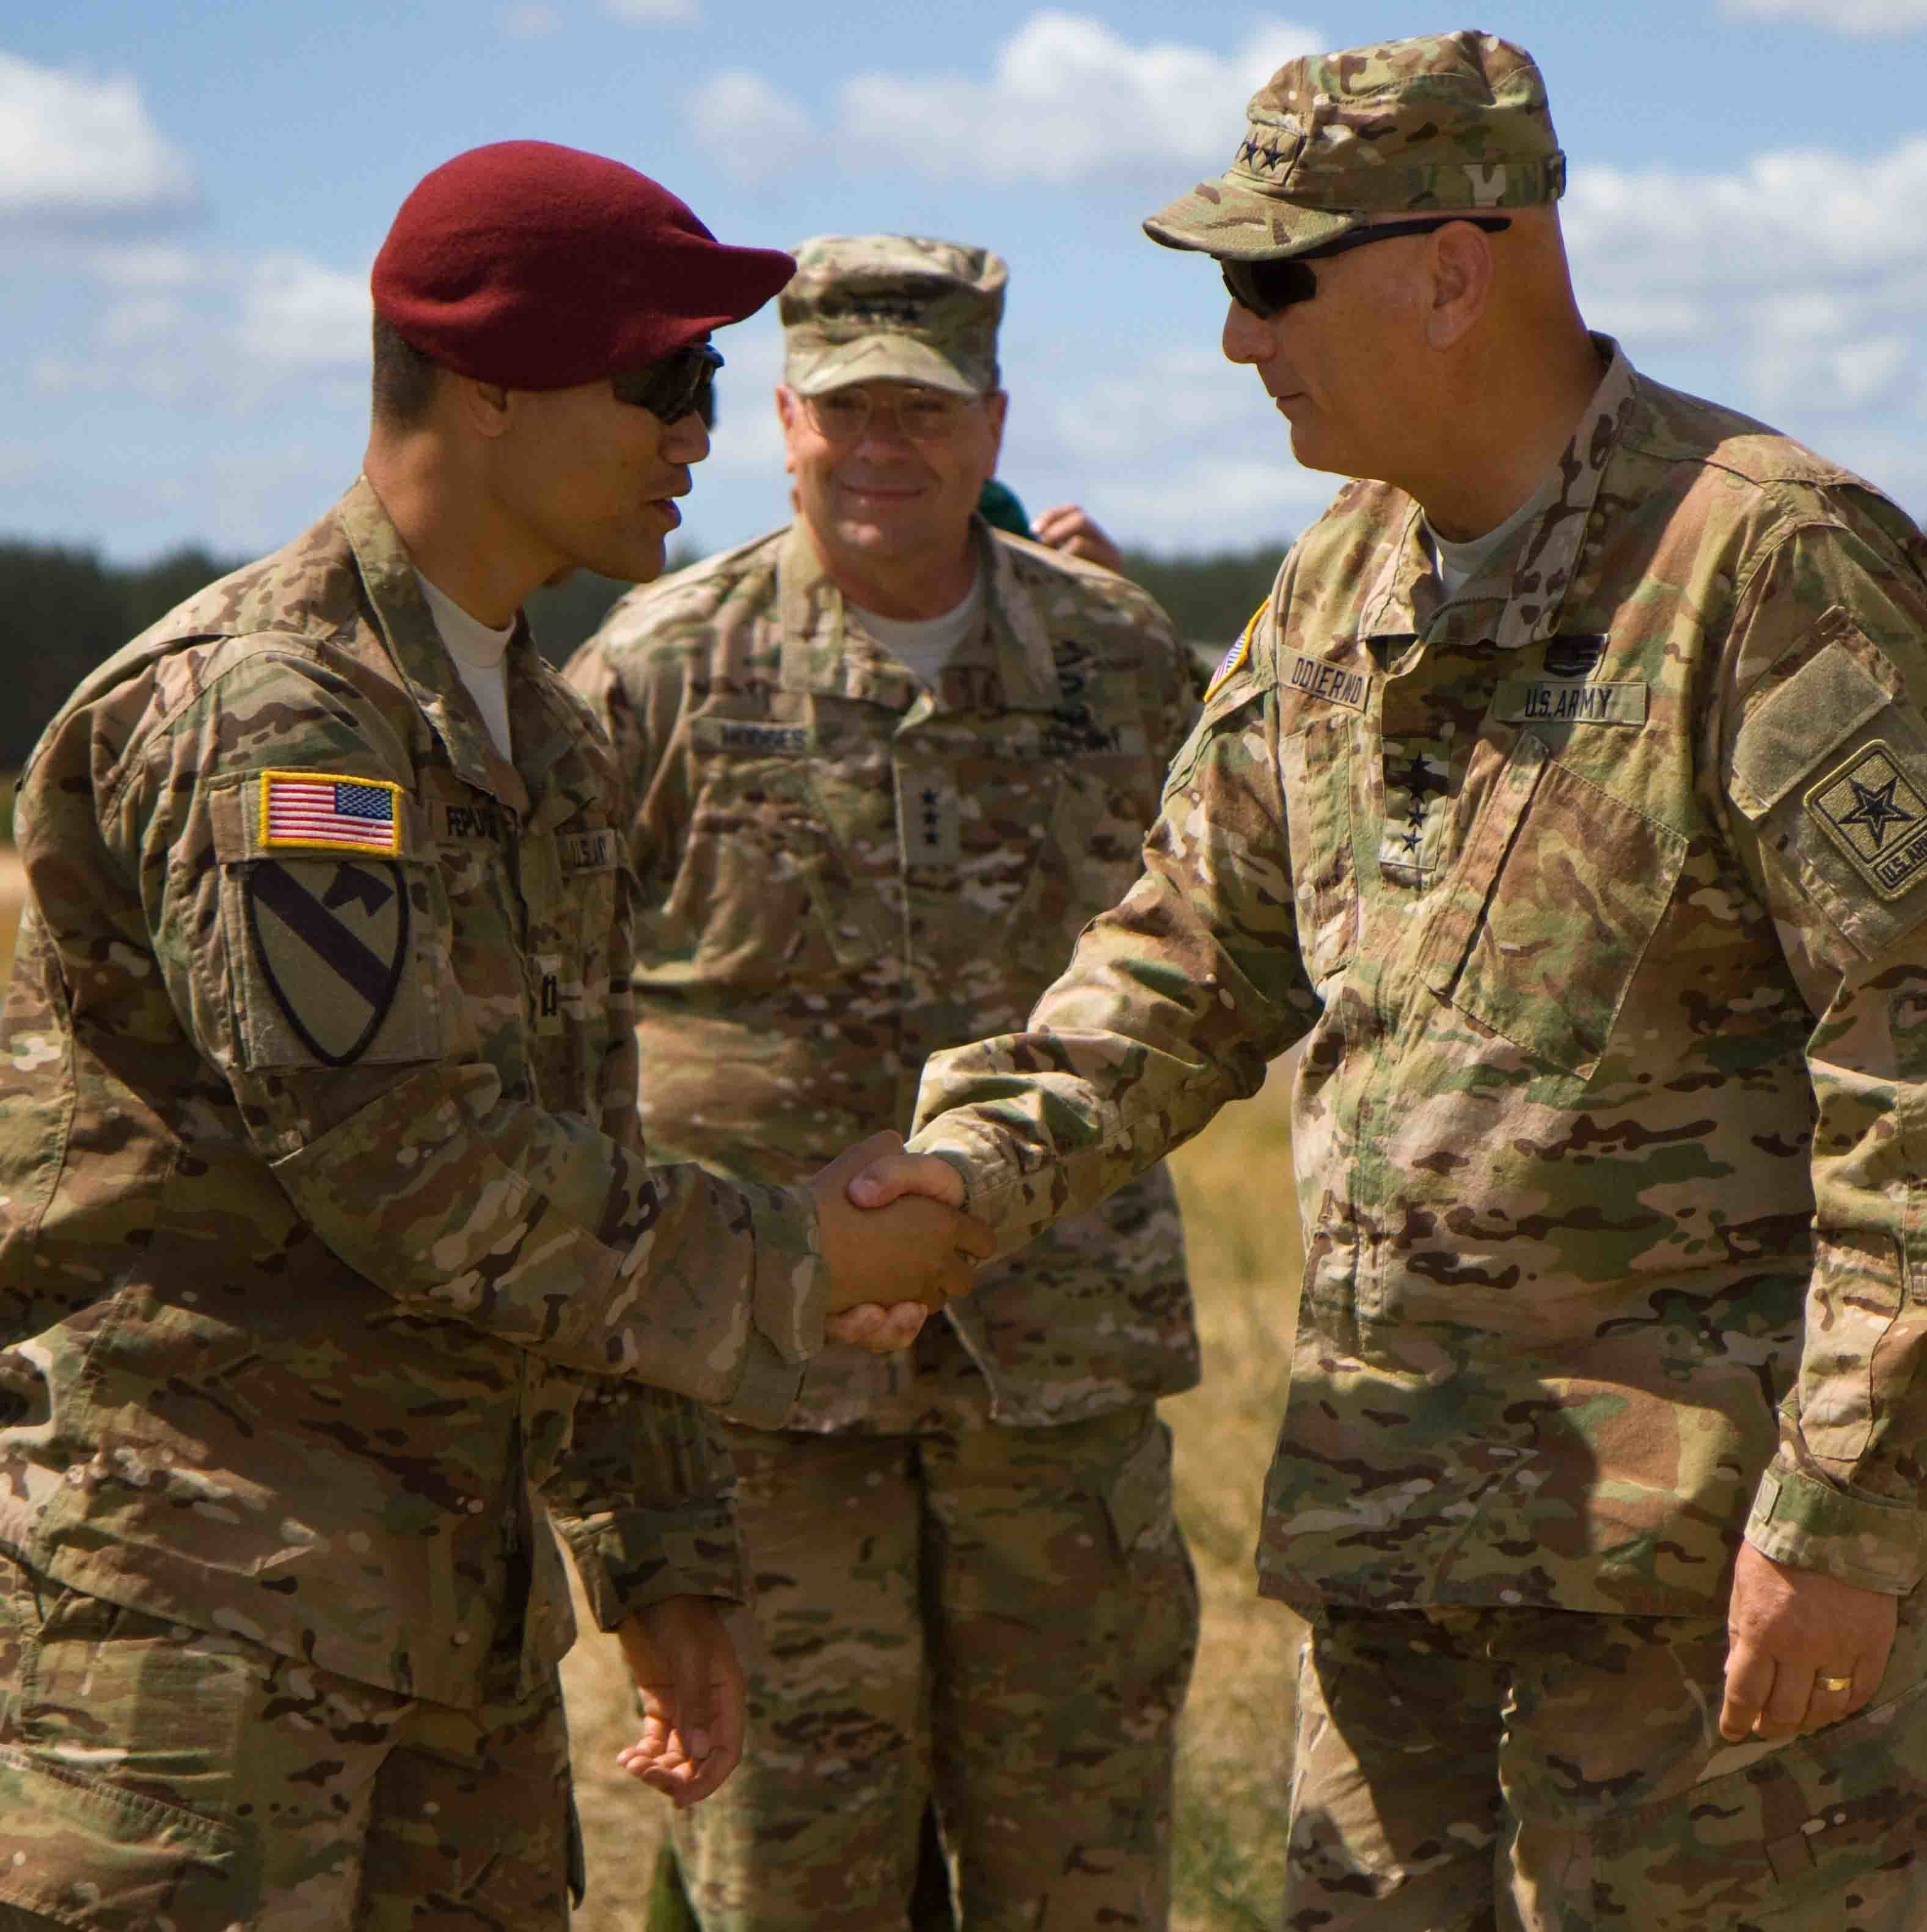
(920, 1248)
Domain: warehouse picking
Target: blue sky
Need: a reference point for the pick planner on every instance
(191, 190)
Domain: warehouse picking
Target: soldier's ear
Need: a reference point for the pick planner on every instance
(1457, 284)
(789, 413)
(484, 407)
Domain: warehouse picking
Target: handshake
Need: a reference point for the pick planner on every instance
(896, 1243)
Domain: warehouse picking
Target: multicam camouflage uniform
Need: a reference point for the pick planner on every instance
(330, 1245)
(1584, 888)
(841, 872)
(1555, 880)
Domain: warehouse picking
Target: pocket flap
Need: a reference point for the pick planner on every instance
(89, 1855)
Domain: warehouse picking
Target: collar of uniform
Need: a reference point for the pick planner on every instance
(1403, 598)
(824, 652)
(408, 628)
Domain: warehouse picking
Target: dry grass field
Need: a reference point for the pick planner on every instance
(1242, 1225)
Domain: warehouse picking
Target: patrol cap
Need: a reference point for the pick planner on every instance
(541, 267)
(1443, 121)
(900, 306)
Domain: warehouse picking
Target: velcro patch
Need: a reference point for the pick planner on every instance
(1551, 701)
(1877, 816)
(463, 824)
(593, 851)
(744, 734)
(328, 811)
(1330, 683)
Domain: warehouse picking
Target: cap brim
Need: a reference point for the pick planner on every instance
(1222, 218)
(874, 359)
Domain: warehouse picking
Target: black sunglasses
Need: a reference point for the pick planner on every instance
(671, 388)
(1265, 287)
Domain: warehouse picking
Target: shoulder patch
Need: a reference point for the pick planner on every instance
(329, 812)
(1877, 816)
(1236, 656)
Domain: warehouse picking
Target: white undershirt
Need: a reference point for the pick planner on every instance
(478, 653)
(1458, 563)
(925, 645)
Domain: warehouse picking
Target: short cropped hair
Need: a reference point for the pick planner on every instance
(404, 378)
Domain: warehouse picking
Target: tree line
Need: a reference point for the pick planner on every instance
(63, 609)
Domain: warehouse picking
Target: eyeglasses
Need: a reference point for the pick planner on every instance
(919, 415)
(1266, 287)
(673, 386)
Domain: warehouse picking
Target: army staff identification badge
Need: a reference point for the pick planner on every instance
(1876, 817)
(331, 937)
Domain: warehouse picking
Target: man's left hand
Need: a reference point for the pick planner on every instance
(690, 1686)
(1792, 1635)
(1070, 528)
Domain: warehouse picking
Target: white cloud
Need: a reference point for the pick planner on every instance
(653, 13)
(530, 22)
(1806, 270)
(145, 265)
(1067, 96)
(1790, 211)
(741, 118)
(294, 311)
(1846, 16)
(76, 152)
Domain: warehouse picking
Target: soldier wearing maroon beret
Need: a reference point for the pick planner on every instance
(334, 1284)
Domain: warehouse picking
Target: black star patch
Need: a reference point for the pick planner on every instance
(1877, 816)
(1876, 810)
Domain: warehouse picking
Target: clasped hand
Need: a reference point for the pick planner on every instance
(896, 1243)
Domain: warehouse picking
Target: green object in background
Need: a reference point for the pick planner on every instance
(999, 508)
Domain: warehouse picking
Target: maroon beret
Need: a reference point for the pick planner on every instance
(540, 267)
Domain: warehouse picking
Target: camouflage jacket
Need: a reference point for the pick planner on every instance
(326, 1232)
(1598, 890)
(841, 872)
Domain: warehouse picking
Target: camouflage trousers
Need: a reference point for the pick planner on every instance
(1473, 1770)
(999, 1620)
(153, 1776)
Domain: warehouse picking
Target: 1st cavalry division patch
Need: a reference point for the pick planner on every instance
(1877, 817)
(331, 937)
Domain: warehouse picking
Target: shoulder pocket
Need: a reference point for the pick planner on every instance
(324, 960)
(1831, 771)
(1544, 920)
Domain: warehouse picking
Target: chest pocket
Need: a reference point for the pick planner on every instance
(755, 897)
(1093, 817)
(1543, 923)
(1316, 764)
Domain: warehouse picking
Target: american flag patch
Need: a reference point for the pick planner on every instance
(341, 814)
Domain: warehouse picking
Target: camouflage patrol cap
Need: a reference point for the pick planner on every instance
(1444, 121)
(899, 306)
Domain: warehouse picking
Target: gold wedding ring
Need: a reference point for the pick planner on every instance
(1835, 1684)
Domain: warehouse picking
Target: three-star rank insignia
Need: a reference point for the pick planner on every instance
(331, 937)
(1877, 816)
